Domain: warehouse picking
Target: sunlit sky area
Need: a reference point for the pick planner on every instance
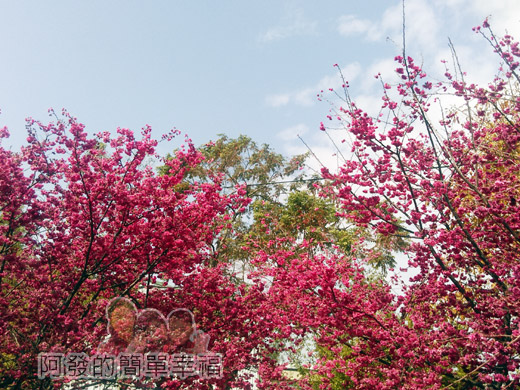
(234, 67)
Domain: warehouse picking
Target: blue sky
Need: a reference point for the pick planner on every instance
(234, 67)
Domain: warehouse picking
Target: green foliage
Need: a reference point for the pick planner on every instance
(241, 161)
(285, 206)
(266, 175)
(303, 216)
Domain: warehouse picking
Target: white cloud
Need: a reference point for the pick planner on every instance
(432, 21)
(307, 96)
(292, 133)
(349, 25)
(504, 15)
(293, 25)
(421, 24)
(277, 100)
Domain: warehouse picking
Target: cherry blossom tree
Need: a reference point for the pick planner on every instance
(447, 179)
(83, 220)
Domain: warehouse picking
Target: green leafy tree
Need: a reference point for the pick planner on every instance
(244, 165)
